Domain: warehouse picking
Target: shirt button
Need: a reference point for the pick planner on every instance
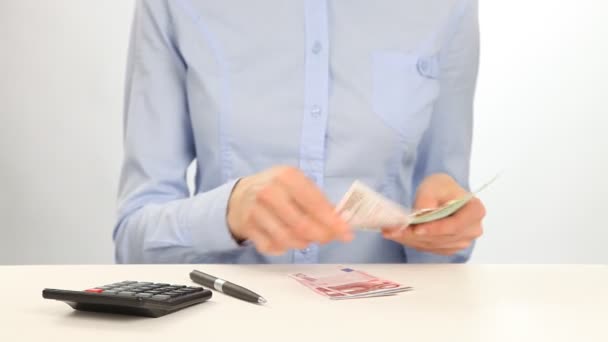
(315, 111)
(423, 67)
(317, 47)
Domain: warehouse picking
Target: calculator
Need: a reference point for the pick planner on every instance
(132, 298)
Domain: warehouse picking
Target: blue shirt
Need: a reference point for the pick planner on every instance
(380, 91)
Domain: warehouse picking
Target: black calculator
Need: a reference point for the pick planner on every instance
(132, 298)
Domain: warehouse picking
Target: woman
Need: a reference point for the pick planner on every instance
(282, 105)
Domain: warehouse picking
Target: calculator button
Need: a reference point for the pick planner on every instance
(144, 295)
(160, 297)
(110, 292)
(178, 286)
(126, 293)
(94, 290)
(161, 284)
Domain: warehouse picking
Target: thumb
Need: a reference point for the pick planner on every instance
(435, 190)
(426, 199)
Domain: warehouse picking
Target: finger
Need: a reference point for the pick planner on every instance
(268, 244)
(434, 230)
(303, 228)
(277, 199)
(469, 216)
(412, 232)
(403, 236)
(440, 245)
(313, 203)
(472, 213)
(393, 232)
(471, 233)
(276, 229)
(459, 242)
(262, 241)
(308, 197)
(436, 190)
(451, 250)
(455, 245)
(426, 199)
(412, 241)
(437, 244)
(314, 231)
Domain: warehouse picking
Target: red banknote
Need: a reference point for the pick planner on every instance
(348, 283)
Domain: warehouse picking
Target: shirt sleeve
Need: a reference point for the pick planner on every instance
(158, 221)
(446, 145)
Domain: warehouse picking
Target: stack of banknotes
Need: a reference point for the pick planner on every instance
(348, 283)
(365, 209)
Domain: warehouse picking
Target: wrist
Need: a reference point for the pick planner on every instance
(232, 210)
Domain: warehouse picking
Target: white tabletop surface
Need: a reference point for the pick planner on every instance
(449, 303)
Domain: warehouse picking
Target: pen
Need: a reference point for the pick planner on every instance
(226, 287)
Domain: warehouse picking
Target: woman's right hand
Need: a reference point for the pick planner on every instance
(279, 209)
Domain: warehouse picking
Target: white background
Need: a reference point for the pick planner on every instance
(541, 118)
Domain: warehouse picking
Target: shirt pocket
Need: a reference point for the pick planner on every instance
(404, 88)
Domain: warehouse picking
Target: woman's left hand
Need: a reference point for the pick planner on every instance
(446, 236)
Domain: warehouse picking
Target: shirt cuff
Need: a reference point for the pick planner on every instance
(207, 220)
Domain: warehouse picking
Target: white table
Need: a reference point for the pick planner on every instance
(449, 303)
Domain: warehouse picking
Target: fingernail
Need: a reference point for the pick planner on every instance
(420, 231)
